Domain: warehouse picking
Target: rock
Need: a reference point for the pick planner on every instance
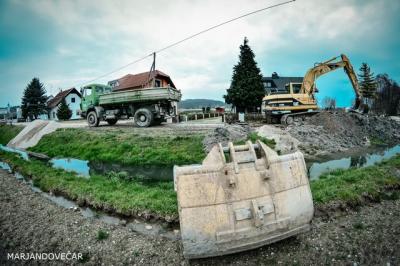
(148, 227)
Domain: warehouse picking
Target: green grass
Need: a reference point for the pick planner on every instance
(123, 148)
(253, 136)
(353, 185)
(377, 141)
(130, 196)
(8, 132)
(111, 194)
(101, 235)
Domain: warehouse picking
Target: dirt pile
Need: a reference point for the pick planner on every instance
(329, 132)
(285, 143)
(225, 134)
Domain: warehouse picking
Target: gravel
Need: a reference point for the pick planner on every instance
(332, 132)
(225, 134)
(32, 223)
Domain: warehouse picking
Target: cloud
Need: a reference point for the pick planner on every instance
(91, 38)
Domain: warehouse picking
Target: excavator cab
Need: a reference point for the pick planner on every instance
(293, 88)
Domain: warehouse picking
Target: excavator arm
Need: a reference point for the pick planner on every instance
(308, 85)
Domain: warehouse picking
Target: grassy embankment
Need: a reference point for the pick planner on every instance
(124, 148)
(115, 192)
(8, 132)
(130, 196)
(126, 197)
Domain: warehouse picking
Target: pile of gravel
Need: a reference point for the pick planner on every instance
(339, 131)
(225, 134)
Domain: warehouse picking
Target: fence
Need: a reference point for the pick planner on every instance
(248, 117)
(198, 116)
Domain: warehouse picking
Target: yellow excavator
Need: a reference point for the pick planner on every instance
(298, 100)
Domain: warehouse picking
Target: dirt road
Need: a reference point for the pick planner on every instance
(32, 223)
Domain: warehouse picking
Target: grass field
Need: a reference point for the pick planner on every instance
(125, 148)
(8, 132)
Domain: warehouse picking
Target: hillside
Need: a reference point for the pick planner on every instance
(199, 103)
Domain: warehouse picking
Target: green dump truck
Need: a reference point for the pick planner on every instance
(148, 106)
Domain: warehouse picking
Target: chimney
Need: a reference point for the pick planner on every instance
(274, 75)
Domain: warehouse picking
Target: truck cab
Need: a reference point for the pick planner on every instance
(90, 96)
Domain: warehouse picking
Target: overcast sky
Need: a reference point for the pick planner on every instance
(67, 43)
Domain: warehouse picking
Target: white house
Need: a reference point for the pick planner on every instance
(73, 100)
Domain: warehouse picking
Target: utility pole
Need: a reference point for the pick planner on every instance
(152, 74)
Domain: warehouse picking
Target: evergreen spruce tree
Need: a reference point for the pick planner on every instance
(34, 99)
(63, 111)
(368, 84)
(246, 90)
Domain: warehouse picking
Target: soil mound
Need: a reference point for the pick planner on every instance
(225, 134)
(337, 131)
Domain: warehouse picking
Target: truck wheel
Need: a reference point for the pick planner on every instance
(112, 122)
(143, 117)
(92, 119)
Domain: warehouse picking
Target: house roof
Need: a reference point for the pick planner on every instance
(140, 80)
(60, 96)
(280, 82)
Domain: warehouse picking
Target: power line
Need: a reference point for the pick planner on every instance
(223, 23)
(188, 38)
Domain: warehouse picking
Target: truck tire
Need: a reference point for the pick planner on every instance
(92, 119)
(112, 122)
(143, 117)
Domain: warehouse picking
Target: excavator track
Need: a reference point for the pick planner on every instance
(289, 119)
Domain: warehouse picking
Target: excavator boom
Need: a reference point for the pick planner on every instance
(308, 85)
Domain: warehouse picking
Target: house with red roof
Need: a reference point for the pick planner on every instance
(142, 80)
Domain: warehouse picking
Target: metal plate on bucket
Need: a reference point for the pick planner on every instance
(254, 198)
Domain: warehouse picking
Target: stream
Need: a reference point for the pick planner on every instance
(356, 158)
(142, 227)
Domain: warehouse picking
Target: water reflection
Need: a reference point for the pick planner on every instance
(80, 167)
(146, 173)
(356, 160)
(23, 154)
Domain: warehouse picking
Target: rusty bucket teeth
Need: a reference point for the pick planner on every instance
(241, 197)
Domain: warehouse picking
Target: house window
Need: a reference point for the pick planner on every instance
(269, 84)
(158, 83)
(72, 99)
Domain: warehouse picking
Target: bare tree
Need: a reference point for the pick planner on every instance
(329, 103)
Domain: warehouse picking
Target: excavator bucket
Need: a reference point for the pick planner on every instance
(241, 197)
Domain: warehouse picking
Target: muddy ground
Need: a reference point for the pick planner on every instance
(32, 223)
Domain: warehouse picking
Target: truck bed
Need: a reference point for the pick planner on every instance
(140, 95)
